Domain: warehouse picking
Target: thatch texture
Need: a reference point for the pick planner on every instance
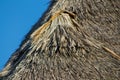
(74, 40)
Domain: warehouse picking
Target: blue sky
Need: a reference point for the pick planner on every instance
(16, 19)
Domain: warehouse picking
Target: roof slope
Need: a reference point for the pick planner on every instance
(75, 40)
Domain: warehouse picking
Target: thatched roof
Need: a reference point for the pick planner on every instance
(74, 40)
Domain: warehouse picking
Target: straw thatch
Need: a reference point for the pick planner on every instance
(74, 40)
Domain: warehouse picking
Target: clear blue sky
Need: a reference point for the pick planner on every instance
(16, 19)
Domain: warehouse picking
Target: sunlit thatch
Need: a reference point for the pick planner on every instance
(75, 40)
